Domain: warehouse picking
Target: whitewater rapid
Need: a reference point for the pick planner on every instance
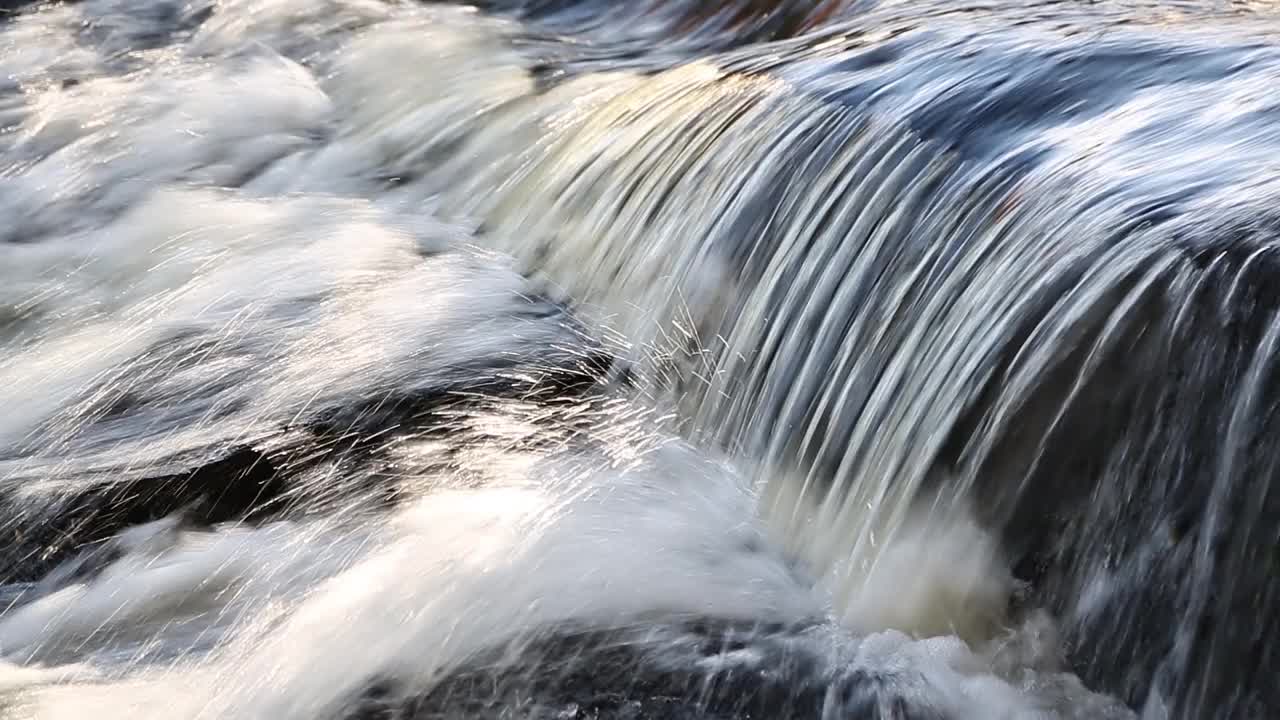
(367, 359)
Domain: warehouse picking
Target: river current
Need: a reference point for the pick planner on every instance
(590, 360)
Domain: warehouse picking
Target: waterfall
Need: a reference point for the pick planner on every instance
(796, 359)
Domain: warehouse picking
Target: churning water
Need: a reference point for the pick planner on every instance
(651, 359)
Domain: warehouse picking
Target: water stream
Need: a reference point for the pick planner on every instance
(583, 359)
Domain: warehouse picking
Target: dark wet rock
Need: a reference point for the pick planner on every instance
(1143, 503)
(710, 670)
(242, 485)
(293, 471)
(149, 539)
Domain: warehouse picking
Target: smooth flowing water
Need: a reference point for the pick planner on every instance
(581, 359)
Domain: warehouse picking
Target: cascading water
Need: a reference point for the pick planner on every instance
(372, 359)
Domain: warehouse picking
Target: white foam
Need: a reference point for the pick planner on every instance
(605, 540)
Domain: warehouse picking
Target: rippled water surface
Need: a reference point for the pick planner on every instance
(656, 359)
